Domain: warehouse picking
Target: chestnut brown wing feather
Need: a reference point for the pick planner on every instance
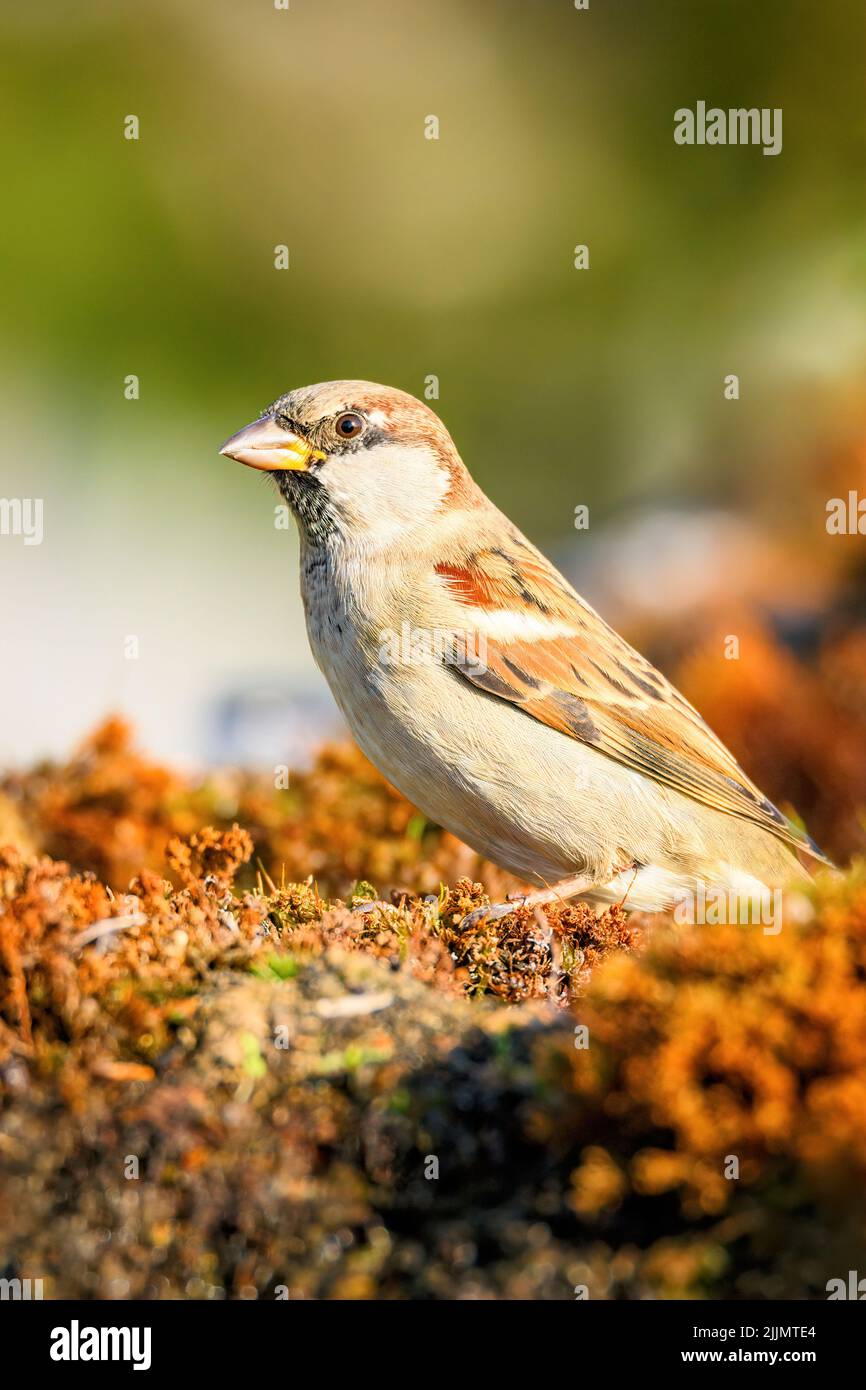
(589, 684)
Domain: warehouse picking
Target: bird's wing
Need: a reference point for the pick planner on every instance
(530, 639)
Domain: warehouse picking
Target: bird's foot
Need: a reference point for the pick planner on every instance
(557, 892)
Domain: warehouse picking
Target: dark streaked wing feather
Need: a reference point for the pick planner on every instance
(592, 686)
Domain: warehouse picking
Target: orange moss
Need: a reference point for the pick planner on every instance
(800, 731)
(112, 811)
(724, 1064)
(705, 1044)
(89, 974)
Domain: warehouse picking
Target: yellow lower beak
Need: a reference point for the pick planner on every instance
(265, 444)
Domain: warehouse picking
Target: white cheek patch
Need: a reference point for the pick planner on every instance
(508, 625)
(386, 490)
(377, 418)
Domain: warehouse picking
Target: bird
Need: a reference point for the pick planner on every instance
(485, 688)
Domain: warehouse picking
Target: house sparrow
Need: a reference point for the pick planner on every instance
(484, 687)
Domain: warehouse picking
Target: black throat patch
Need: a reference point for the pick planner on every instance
(308, 498)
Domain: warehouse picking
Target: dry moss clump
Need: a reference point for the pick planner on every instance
(525, 955)
(799, 729)
(259, 1089)
(112, 811)
(725, 1087)
(91, 979)
(529, 953)
(93, 982)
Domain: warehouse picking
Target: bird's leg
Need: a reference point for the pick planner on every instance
(556, 892)
(624, 897)
(565, 888)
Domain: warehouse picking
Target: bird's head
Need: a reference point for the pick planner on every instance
(356, 460)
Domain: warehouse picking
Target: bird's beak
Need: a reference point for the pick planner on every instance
(265, 444)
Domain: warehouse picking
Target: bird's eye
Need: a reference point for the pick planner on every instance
(348, 425)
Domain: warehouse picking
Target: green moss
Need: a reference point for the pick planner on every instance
(276, 967)
(254, 1063)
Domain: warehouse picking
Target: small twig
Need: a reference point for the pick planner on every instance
(354, 1005)
(106, 926)
(266, 876)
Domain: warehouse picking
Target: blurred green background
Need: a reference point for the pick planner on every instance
(409, 257)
